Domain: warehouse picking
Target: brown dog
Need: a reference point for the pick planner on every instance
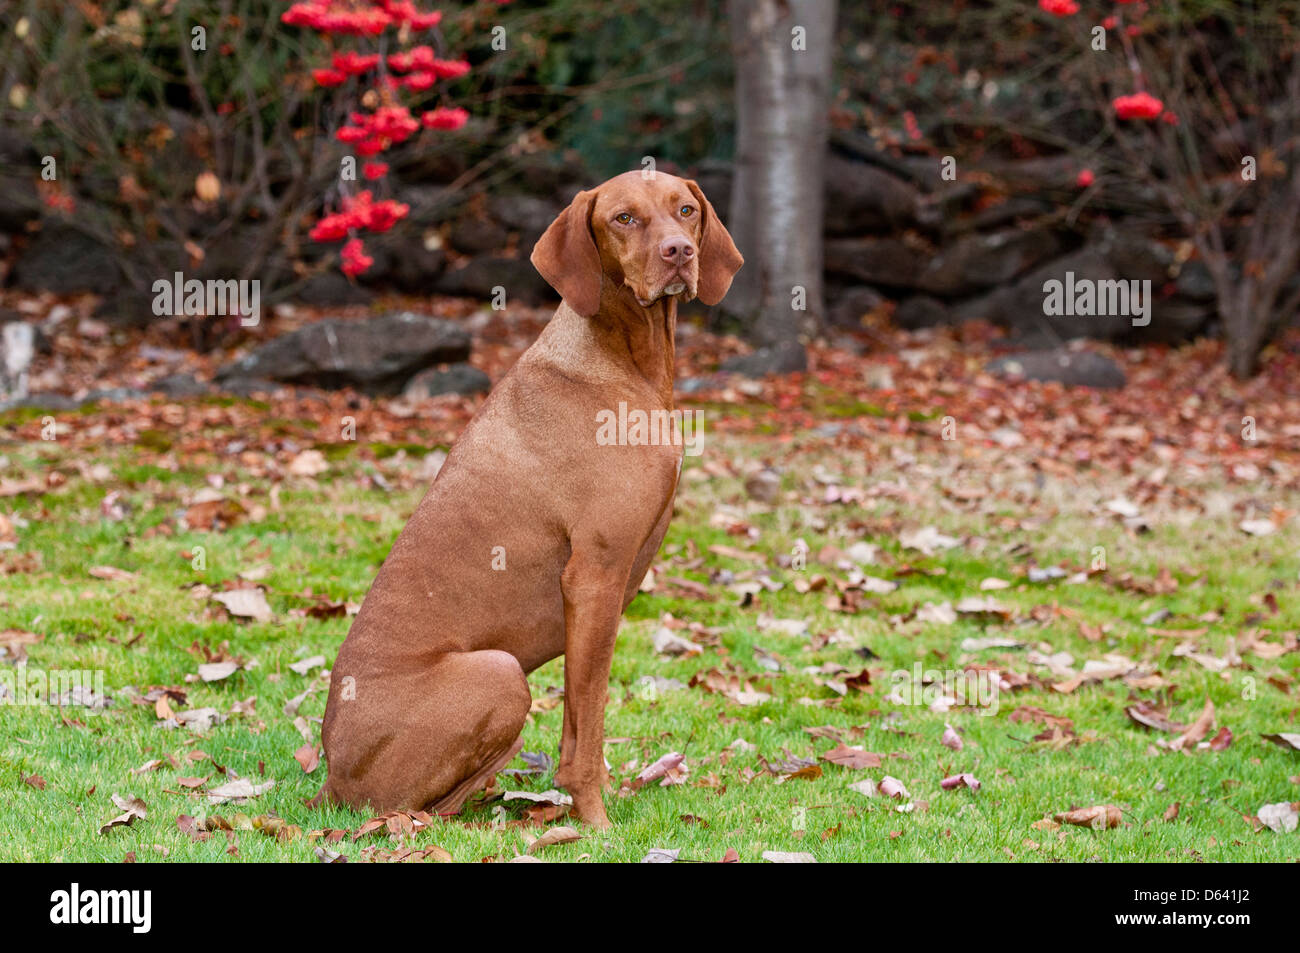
(534, 537)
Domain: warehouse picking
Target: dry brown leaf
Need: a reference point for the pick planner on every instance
(1097, 817)
(851, 757)
(1197, 730)
(553, 836)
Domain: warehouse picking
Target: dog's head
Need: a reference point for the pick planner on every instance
(656, 234)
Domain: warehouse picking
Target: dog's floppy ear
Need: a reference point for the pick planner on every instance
(567, 257)
(719, 257)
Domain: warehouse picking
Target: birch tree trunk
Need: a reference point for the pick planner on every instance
(783, 51)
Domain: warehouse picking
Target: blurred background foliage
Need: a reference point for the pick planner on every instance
(135, 117)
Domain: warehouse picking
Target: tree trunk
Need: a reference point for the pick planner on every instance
(782, 51)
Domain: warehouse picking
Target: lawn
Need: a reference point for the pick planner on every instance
(1159, 602)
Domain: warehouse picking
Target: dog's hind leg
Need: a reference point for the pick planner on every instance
(432, 740)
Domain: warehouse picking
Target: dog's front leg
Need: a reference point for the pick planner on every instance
(593, 603)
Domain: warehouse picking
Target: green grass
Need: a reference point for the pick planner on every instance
(327, 539)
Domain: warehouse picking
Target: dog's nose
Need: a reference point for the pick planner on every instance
(676, 251)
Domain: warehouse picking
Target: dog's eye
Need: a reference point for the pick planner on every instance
(687, 211)
(624, 218)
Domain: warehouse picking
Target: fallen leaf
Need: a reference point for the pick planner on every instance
(668, 770)
(892, 787)
(1222, 740)
(238, 790)
(216, 671)
(111, 572)
(669, 643)
(851, 757)
(1148, 715)
(553, 836)
(552, 796)
(1197, 730)
(309, 757)
(1258, 527)
(928, 540)
(661, 855)
(1284, 739)
(246, 604)
(1097, 817)
(131, 808)
(960, 780)
(306, 665)
(1281, 818)
(782, 857)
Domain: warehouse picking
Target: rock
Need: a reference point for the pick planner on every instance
(1136, 256)
(550, 171)
(114, 395)
(43, 401)
(1053, 173)
(180, 386)
(1020, 306)
(126, 307)
(972, 263)
(693, 385)
(1071, 368)
(1173, 321)
(849, 343)
(864, 198)
(786, 358)
(978, 262)
(402, 261)
(19, 167)
(1015, 208)
(250, 386)
(484, 274)
(376, 355)
(526, 214)
(457, 379)
(847, 306)
(1194, 282)
(19, 203)
(922, 311)
(331, 289)
(419, 271)
(17, 150)
(431, 205)
(874, 261)
(473, 236)
(63, 260)
(412, 268)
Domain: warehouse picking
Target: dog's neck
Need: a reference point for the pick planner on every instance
(644, 335)
(623, 338)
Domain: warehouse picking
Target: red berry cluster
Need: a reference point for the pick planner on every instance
(360, 211)
(390, 121)
(1139, 105)
(358, 19)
